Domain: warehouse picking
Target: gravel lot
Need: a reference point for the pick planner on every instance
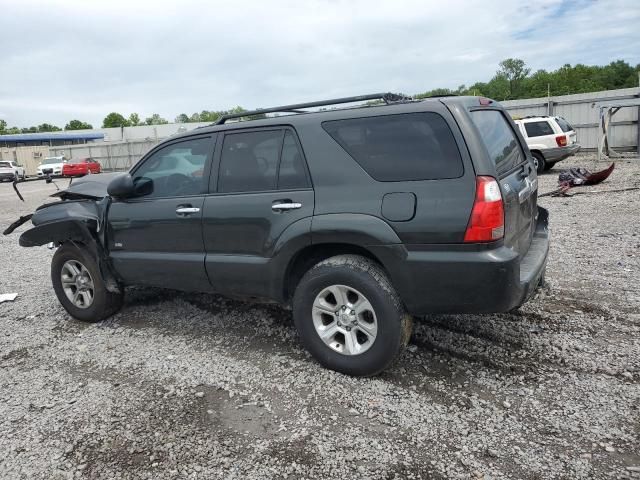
(187, 385)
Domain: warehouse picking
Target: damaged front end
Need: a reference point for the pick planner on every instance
(79, 217)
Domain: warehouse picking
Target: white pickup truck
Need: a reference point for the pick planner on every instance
(10, 170)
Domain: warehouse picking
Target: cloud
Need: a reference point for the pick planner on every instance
(81, 59)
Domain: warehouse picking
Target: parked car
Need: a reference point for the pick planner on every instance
(356, 218)
(550, 139)
(78, 167)
(51, 166)
(10, 170)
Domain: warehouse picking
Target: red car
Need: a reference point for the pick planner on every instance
(80, 166)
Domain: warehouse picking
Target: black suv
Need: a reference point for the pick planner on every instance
(358, 218)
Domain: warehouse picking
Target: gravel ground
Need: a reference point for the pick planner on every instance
(187, 385)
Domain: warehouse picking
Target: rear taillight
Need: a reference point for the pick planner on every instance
(487, 217)
(561, 140)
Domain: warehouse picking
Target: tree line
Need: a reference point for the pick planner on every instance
(513, 80)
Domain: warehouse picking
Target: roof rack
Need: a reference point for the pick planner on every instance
(295, 108)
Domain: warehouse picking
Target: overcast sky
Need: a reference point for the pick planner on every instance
(83, 59)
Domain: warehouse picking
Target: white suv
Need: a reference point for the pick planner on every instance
(550, 139)
(10, 170)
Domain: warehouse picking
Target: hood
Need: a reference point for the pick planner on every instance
(90, 186)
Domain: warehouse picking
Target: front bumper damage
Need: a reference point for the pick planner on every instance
(79, 217)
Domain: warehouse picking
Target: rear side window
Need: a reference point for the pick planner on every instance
(564, 125)
(500, 140)
(538, 129)
(396, 148)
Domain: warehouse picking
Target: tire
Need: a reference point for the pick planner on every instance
(548, 166)
(103, 302)
(539, 162)
(381, 331)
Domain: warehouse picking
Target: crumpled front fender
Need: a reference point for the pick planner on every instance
(63, 221)
(57, 232)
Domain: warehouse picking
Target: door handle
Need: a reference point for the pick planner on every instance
(279, 207)
(187, 210)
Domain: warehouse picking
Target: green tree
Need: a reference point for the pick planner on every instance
(115, 119)
(182, 118)
(78, 125)
(47, 127)
(3, 126)
(134, 120)
(514, 70)
(155, 119)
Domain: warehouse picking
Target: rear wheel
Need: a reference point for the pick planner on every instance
(349, 316)
(79, 285)
(539, 162)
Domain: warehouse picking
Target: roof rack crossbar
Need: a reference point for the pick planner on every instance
(385, 97)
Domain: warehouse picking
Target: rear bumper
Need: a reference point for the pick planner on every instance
(553, 155)
(488, 281)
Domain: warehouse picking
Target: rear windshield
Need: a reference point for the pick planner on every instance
(397, 148)
(5, 164)
(77, 160)
(499, 138)
(564, 125)
(538, 129)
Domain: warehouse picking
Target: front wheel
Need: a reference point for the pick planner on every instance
(349, 316)
(79, 285)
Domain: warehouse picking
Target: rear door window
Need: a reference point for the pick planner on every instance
(538, 129)
(396, 148)
(564, 125)
(249, 161)
(499, 138)
(292, 173)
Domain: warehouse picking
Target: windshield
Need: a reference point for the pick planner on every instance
(50, 160)
(5, 164)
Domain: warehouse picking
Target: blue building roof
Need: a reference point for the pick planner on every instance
(50, 136)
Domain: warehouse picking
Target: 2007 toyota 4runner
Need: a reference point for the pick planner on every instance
(358, 218)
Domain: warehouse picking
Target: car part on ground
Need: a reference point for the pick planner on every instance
(578, 176)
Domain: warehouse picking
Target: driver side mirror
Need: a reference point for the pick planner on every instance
(121, 186)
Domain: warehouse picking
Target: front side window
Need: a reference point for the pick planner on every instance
(499, 138)
(538, 129)
(174, 170)
(395, 148)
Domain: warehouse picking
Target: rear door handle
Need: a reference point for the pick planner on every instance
(187, 210)
(279, 207)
